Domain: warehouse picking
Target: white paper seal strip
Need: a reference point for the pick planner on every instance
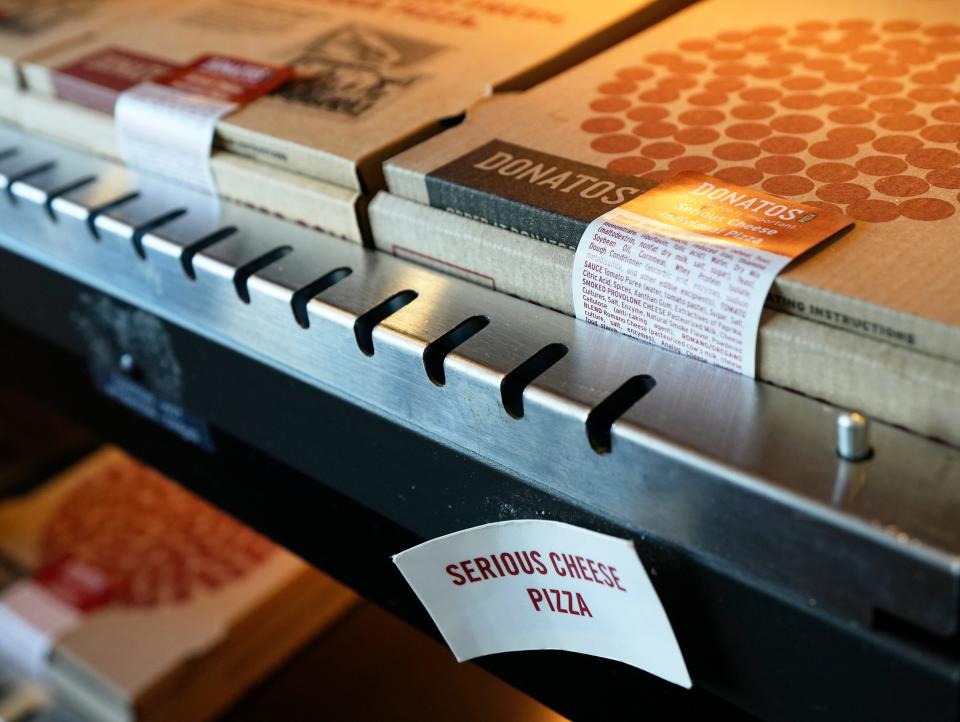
(31, 621)
(170, 132)
(534, 584)
(688, 265)
(166, 125)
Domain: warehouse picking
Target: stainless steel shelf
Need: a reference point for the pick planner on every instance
(741, 474)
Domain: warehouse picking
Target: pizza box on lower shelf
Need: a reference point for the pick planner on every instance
(175, 609)
(886, 381)
(850, 105)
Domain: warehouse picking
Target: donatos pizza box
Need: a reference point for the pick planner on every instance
(847, 105)
(886, 381)
(154, 605)
(369, 77)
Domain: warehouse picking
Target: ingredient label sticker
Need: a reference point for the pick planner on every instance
(167, 126)
(688, 265)
(168, 132)
(535, 584)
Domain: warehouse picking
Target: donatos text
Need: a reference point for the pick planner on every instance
(550, 176)
(739, 199)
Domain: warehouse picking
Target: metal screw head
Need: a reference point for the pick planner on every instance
(853, 436)
(127, 365)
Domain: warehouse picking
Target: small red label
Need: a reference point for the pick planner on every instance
(94, 81)
(80, 585)
(225, 78)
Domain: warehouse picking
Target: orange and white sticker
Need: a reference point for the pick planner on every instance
(688, 265)
(165, 131)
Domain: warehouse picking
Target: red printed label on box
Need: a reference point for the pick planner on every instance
(94, 81)
(80, 585)
(225, 78)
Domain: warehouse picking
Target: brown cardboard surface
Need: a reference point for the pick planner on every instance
(200, 605)
(851, 104)
(888, 382)
(410, 678)
(295, 197)
(30, 26)
(371, 76)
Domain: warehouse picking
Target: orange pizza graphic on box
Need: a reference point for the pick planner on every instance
(150, 541)
(853, 115)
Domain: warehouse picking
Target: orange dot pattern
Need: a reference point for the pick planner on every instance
(855, 115)
(154, 542)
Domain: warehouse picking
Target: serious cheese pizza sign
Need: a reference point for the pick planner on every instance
(534, 584)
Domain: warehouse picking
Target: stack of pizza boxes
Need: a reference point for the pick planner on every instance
(843, 106)
(846, 106)
(325, 91)
(139, 601)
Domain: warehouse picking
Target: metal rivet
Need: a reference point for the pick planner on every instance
(128, 366)
(853, 436)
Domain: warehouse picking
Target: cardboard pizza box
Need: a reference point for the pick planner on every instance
(174, 608)
(845, 104)
(886, 381)
(370, 78)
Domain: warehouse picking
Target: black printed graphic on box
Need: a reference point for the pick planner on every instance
(525, 191)
(355, 68)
